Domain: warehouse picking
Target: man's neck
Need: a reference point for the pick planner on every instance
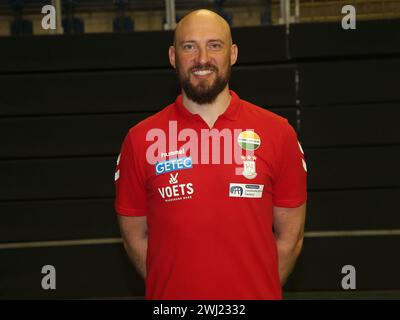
(209, 112)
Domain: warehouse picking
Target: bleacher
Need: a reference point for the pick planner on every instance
(98, 16)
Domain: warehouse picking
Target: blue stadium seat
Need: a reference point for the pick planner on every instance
(21, 27)
(123, 24)
(73, 25)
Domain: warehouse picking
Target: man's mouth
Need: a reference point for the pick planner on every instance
(202, 72)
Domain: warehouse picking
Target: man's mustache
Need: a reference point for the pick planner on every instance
(202, 67)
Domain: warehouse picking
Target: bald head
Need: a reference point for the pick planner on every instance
(200, 22)
(202, 55)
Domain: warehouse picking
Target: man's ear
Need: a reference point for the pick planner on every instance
(234, 54)
(171, 53)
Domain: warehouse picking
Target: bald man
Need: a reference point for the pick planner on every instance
(211, 191)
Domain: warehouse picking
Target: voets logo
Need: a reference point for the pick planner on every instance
(176, 191)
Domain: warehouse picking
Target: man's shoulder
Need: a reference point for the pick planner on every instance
(157, 120)
(263, 115)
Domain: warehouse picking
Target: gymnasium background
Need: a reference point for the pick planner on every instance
(68, 97)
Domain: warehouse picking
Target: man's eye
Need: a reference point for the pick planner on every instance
(188, 46)
(215, 46)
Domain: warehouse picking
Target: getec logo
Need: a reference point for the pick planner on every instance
(173, 165)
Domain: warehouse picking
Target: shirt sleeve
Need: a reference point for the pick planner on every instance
(130, 188)
(290, 186)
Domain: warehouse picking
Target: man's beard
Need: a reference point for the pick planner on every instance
(202, 93)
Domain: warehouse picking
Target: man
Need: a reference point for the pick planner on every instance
(196, 223)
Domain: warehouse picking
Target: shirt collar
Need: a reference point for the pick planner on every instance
(231, 113)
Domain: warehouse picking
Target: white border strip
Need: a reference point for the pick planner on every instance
(79, 242)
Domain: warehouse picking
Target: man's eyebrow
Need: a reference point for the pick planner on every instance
(194, 41)
(186, 41)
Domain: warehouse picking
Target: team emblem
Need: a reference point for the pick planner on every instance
(249, 140)
(249, 169)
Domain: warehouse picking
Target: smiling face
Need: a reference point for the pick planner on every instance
(202, 55)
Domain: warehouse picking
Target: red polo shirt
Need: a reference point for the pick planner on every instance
(210, 219)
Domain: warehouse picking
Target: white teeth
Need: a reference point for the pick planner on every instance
(202, 72)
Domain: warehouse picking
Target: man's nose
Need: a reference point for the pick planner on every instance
(203, 56)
